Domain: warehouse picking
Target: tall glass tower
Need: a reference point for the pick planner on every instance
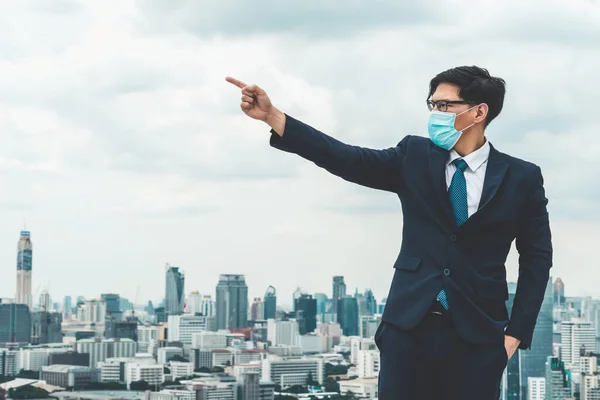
(511, 383)
(533, 361)
(347, 313)
(270, 300)
(232, 302)
(24, 264)
(174, 296)
(338, 292)
(15, 323)
(306, 313)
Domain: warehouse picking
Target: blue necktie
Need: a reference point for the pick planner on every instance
(458, 197)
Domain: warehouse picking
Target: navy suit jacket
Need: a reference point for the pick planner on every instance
(467, 261)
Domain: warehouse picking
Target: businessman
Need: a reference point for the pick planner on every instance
(445, 331)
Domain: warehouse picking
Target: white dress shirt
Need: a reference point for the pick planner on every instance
(474, 174)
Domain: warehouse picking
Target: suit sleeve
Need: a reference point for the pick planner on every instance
(378, 169)
(534, 244)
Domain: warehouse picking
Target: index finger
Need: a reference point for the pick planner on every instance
(236, 82)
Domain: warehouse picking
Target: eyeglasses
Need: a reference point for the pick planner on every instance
(442, 105)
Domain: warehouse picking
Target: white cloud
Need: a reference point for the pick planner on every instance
(125, 148)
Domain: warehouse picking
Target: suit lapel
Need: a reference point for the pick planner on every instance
(438, 158)
(494, 175)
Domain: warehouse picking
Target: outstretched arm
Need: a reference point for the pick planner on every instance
(379, 169)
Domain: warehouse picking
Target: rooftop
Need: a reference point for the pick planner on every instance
(65, 368)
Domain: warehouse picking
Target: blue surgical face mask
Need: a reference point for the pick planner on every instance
(441, 128)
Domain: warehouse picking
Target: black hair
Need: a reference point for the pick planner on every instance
(476, 86)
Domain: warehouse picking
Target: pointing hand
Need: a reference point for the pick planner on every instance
(255, 102)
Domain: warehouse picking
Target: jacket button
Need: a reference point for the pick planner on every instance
(453, 238)
(446, 272)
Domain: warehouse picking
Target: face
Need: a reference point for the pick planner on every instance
(449, 92)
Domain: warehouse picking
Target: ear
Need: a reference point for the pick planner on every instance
(482, 112)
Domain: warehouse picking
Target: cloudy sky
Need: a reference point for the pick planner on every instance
(124, 148)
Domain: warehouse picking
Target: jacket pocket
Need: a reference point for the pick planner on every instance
(407, 262)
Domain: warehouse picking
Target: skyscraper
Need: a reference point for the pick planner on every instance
(339, 291)
(45, 303)
(533, 361)
(306, 313)
(511, 383)
(174, 297)
(347, 312)
(15, 323)
(232, 302)
(257, 310)
(46, 327)
(67, 307)
(270, 300)
(113, 304)
(558, 380)
(559, 292)
(193, 304)
(577, 338)
(370, 302)
(24, 265)
(322, 302)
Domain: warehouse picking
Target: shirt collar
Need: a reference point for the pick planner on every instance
(475, 159)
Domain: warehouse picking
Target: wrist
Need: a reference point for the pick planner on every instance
(276, 120)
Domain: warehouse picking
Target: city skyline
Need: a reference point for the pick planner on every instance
(125, 149)
(177, 294)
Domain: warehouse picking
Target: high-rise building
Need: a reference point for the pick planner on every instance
(322, 301)
(147, 335)
(115, 329)
(577, 339)
(368, 325)
(371, 303)
(10, 362)
(67, 307)
(193, 305)
(250, 386)
(45, 302)
(270, 301)
(306, 313)
(174, 296)
(339, 292)
(24, 266)
(208, 306)
(536, 388)
(559, 292)
(149, 308)
(183, 327)
(257, 310)
(92, 310)
(511, 382)
(46, 327)
(15, 323)
(283, 332)
(232, 302)
(101, 349)
(347, 313)
(558, 380)
(113, 305)
(533, 361)
(160, 315)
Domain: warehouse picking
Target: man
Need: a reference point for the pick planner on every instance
(446, 333)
